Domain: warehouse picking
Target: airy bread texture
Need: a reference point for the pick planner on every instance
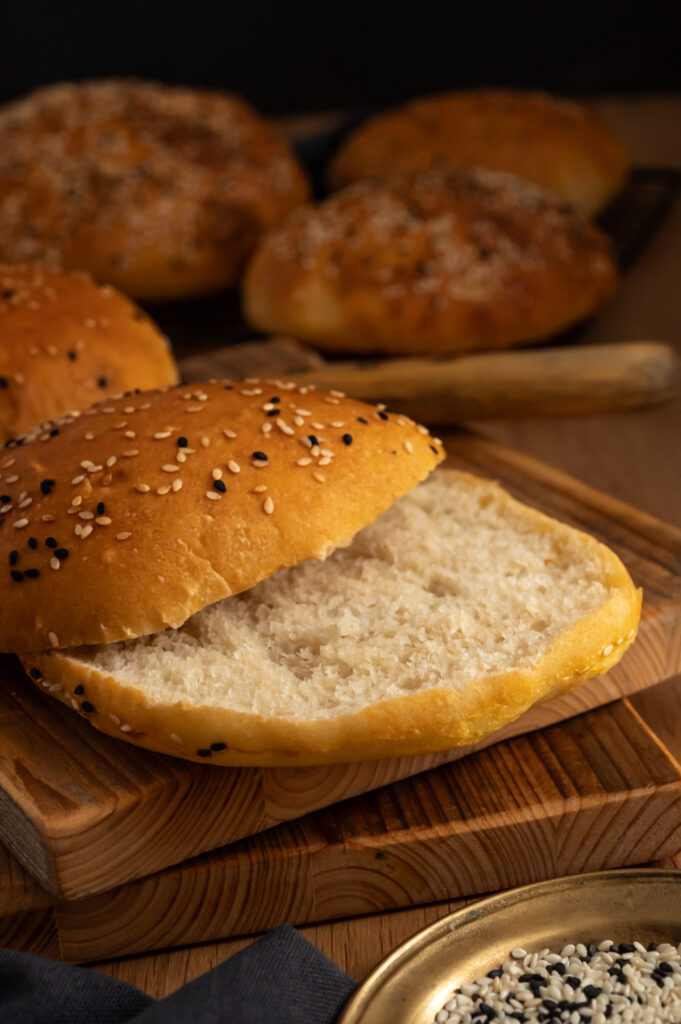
(443, 620)
(431, 263)
(557, 144)
(66, 341)
(134, 515)
(158, 190)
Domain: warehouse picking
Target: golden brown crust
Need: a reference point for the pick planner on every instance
(161, 191)
(144, 510)
(426, 722)
(66, 342)
(431, 263)
(557, 144)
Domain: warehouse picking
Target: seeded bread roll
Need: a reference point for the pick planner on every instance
(432, 263)
(66, 341)
(145, 509)
(448, 617)
(161, 191)
(557, 144)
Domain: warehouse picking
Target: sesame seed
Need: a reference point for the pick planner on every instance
(170, 468)
(182, 441)
(103, 521)
(16, 575)
(123, 536)
(160, 435)
(47, 518)
(130, 454)
(193, 408)
(319, 477)
(408, 447)
(25, 503)
(126, 728)
(175, 738)
(260, 489)
(85, 531)
(86, 515)
(284, 427)
(53, 639)
(55, 563)
(217, 474)
(130, 434)
(608, 650)
(46, 485)
(303, 462)
(213, 495)
(181, 457)
(101, 508)
(78, 500)
(268, 506)
(299, 421)
(205, 441)
(50, 542)
(233, 466)
(177, 485)
(111, 461)
(220, 486)
(142, 488)
(20, 523)
(266, 428)
(229, 433)
(163, 490)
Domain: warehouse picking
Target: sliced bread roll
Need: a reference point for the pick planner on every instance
(443, 620)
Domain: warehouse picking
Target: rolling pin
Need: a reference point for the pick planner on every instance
(576, 380)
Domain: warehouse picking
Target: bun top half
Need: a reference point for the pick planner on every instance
(133, 515)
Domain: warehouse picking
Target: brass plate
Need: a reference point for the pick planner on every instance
(417, 979)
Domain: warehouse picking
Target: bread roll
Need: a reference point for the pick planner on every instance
(557, 144)
(448, 617)
(433, 263)
(66, 342)
(146, 508)
(161, 191)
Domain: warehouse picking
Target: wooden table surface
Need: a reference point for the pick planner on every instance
(636, 457)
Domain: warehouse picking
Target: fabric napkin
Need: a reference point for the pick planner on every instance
(280, 979)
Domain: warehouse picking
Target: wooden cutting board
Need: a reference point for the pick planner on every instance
(85, 813)
(598, 791)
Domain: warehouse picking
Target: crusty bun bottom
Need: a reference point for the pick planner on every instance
(448, 617)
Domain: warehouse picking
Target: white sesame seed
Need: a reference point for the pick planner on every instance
(111, 461)
(103, 521)
(85, 532)
(170, 468)
(324, 462)
(175, 738)
(299, 421)
(20, 523)
(233, 466)
(408, 447)
(338, 394)
(78, 500)
(142, 488)
(78, 479)
(229, 433)
(330, 401)
(193, 408)
(123, 536)
(319, 477)
(25, 503)
(217, 474)
(163, 490)
(205, 441)
(12, 479)
(55, 563)
(177, 485)
(161, 434)
(260, 489)
(213, 495)
(303, 462)
(74, 703)
(268, 506)
(338, 423)
(127, 408)
(266, 428)
(89, 436)
(284, 427)
(130, 454)
(55, 688)
(47, 518)
(130, 434)
(126, 728)
(53, 639)
(4, 509)
(181, 457)
(608, 650)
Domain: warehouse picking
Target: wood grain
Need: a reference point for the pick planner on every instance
(73, 819)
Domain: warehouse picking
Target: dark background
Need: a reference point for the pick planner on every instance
(312, 56)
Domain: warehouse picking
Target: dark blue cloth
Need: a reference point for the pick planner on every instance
(281, 979)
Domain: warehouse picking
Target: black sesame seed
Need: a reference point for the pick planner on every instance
(347, 439)
(274, 412)
(101, 508)
(433, 449)
(35, 673)
(558, 968)
(665, 968)
(72, 354)
(203, 753)
(4, 383)
(312, 438)
(592, 991)
(32, 543)
(4, 498)
(572, 982)
(7, 293)
(61, 553)
(218, 746)
(13, 555)
(87, 707)
(591, 949)
(102, 382)
(360, 419)
(275, 399)
(652, 946)
(219, 486)
(32, 573)
(182, 442)
(79, 690)
(260, 456)
(16, 575)
(229, 387)
(550, 1004)
(625, 947)
(54, 431)
(46, 485)
(382, 415)
(495, 974)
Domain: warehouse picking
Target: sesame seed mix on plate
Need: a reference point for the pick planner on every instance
(625, 983)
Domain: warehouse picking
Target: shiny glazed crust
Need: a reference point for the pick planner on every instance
(555, 143)
(135, 514)
(66, 342)
(432, 263)
(425, 722)
(158, 190)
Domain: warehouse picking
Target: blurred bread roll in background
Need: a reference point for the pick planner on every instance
(161, 191)
(66, 342)
(439, 262)
(557, 144)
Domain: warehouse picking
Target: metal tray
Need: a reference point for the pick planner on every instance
(414, 982)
